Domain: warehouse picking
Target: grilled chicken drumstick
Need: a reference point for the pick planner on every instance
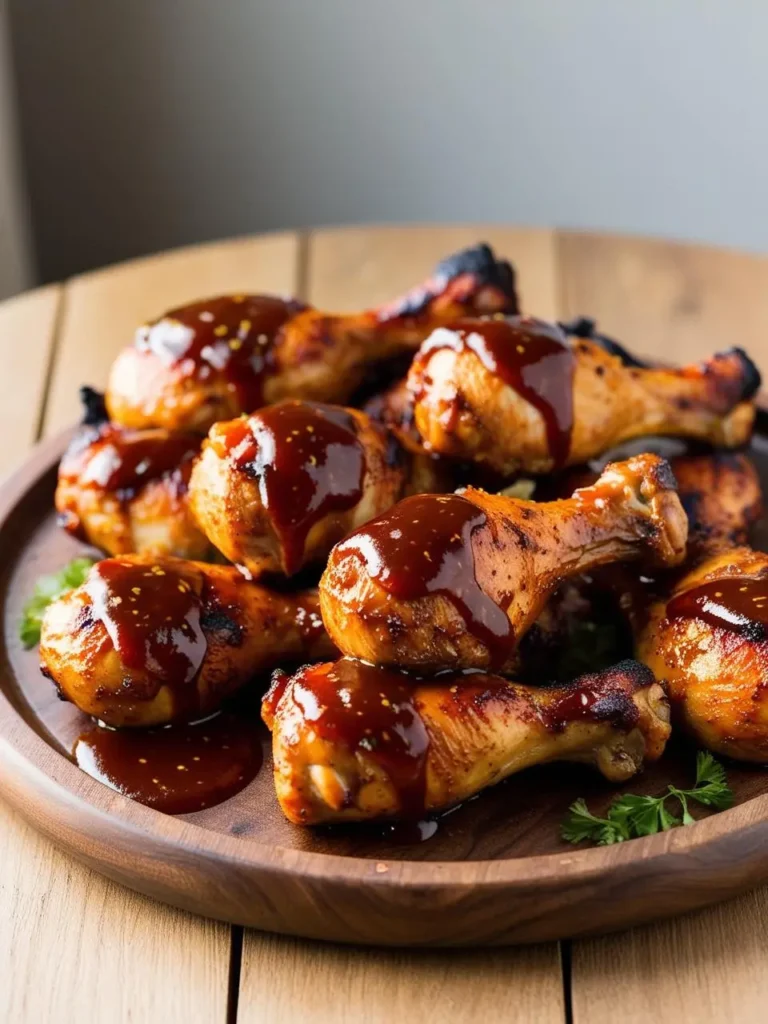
(217, 358)
(515, 394)
(275, 491)
(706, 631)
(352, 742)
(125, 490)
(150, 641)
(454, 581)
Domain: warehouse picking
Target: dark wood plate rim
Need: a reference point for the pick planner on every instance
(29, 764)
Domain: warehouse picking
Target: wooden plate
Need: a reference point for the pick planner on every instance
(495, 871)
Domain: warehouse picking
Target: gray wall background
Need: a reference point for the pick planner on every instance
(152, 123)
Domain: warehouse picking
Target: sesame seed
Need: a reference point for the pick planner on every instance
(142, 760)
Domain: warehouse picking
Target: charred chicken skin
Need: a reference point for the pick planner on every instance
(516, 394)
(454, 581)
(275, 491)
(352, 742)
(215, 359)
(706, 631)
(125, 491)
(151, 641)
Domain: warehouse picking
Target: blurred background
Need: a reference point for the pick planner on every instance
(129, 126)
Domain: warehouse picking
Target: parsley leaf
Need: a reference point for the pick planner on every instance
(630, 816)
(48, 589)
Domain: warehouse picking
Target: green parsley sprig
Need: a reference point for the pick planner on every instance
(48, 589)
(631, 816)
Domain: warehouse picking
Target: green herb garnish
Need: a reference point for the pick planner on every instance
(631, 816)
(47, 589)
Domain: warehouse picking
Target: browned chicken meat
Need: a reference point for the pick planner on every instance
(125, 491)
(454, 581)
(217, 358)
(706, 631)
(516, 394)
(722, 498)
(151, 641)
(275, 491)
(352, 742)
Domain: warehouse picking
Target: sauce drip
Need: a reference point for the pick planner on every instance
(372, 710)
(177, 769)
(233, 335)
(152, 616)
(308, 462)
(123, 461)
(735, 603)
(423, 546)
(532, 357)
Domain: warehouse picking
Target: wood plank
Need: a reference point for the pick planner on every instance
(353, 267)
(75, 947)
(26, 332)
(103, 309)
(284, 979)
(700, 969)
(675, 301)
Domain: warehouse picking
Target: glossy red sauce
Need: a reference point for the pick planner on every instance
(585, 703)
(423, 547)
(232, 335)
(123, 461)
(372, 710)
(735, 603)
(308, 462)
(531, 356)
(152, 616)
(176, 769)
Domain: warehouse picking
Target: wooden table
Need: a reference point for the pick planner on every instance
(75, 947)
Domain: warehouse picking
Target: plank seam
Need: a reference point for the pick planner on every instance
(302, 264)
(53, 358)
(235, 968)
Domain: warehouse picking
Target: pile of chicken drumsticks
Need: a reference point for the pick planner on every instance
(381, 449)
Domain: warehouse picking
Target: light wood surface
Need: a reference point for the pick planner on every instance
(27, 326)
(73, 946)
(287, 980)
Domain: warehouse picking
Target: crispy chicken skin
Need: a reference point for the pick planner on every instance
(515, 394)
(125, 491)
(709, 638)
(217, 358)
(352, 742)
(454, 581)
(706, 631)
(274, 492)
(151, 641)
(721, 496)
